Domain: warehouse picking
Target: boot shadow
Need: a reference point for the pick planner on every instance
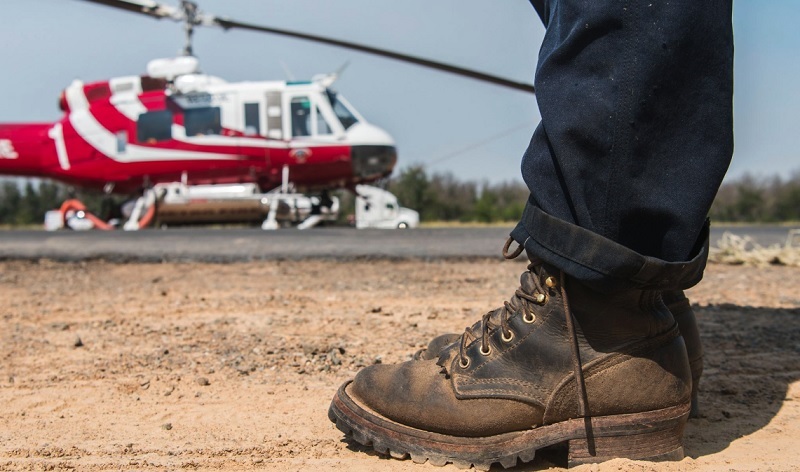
(752, 355)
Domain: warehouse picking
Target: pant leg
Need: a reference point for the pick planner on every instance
(636, 135)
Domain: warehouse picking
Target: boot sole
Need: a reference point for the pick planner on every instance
(653, 435)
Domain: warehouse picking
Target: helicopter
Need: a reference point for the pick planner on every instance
(178, 131)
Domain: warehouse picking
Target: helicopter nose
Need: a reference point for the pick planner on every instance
(372, 161)
(373, 153)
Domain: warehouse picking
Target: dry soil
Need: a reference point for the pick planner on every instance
(232, 366)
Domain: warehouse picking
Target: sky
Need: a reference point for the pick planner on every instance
(450, 124)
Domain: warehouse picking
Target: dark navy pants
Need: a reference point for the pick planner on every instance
(636, 135)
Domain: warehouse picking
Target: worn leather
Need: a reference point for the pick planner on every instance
(632, 355)
(681, 309)
(676, 302)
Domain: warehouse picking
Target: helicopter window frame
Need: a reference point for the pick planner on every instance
(321, 120)
(154, 126)
(202, 121)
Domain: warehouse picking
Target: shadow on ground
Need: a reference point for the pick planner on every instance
(752, 355)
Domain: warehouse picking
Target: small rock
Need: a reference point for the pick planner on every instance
(60, 326)
(334, 357)
(166, 426)
(77, 342)
(203, 382)
(377, 309)
(377, 360)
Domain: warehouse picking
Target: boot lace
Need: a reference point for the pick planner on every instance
(522, 302)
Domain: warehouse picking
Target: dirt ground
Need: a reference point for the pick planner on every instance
(232, 366)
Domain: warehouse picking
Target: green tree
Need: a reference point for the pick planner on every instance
(787, 204)
(486, 206)
(412, 189)
(10, 198)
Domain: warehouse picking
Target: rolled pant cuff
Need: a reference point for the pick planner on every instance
(602, 263)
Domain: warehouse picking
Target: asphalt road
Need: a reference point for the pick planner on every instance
(227, 245)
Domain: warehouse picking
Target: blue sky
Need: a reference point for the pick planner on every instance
(48, 43)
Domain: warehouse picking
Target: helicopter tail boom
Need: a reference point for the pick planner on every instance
(22, 147)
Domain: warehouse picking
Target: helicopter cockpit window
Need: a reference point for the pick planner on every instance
(301, 116)
(344, 114)
(202, 121)
(154, 126)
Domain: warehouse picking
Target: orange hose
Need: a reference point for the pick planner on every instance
(77, 205)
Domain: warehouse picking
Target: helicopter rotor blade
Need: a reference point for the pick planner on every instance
(144, 7)
(157, 10)
(229, 24)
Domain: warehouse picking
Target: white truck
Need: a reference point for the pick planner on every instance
(378, 208)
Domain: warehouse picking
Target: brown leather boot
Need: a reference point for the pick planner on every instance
(678, 305)
(681, 310)
(560, 363)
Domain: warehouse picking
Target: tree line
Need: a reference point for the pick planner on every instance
(758, 200)
(443, 197)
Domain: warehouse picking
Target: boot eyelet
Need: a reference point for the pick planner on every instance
(509, 338)
(551, 282)
(528, 318)
(541, 298)
(463, 364)
(485, 353)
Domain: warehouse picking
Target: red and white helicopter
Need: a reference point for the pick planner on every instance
(193, 145)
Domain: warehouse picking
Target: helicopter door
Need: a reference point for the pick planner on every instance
(307, 120)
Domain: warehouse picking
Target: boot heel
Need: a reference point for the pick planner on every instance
(651, 436)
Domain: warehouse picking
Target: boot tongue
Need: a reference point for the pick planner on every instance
(526, 281)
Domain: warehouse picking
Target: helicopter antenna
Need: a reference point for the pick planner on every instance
(287, 71)
(341, 69)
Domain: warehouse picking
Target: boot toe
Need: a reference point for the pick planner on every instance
(420, 395)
